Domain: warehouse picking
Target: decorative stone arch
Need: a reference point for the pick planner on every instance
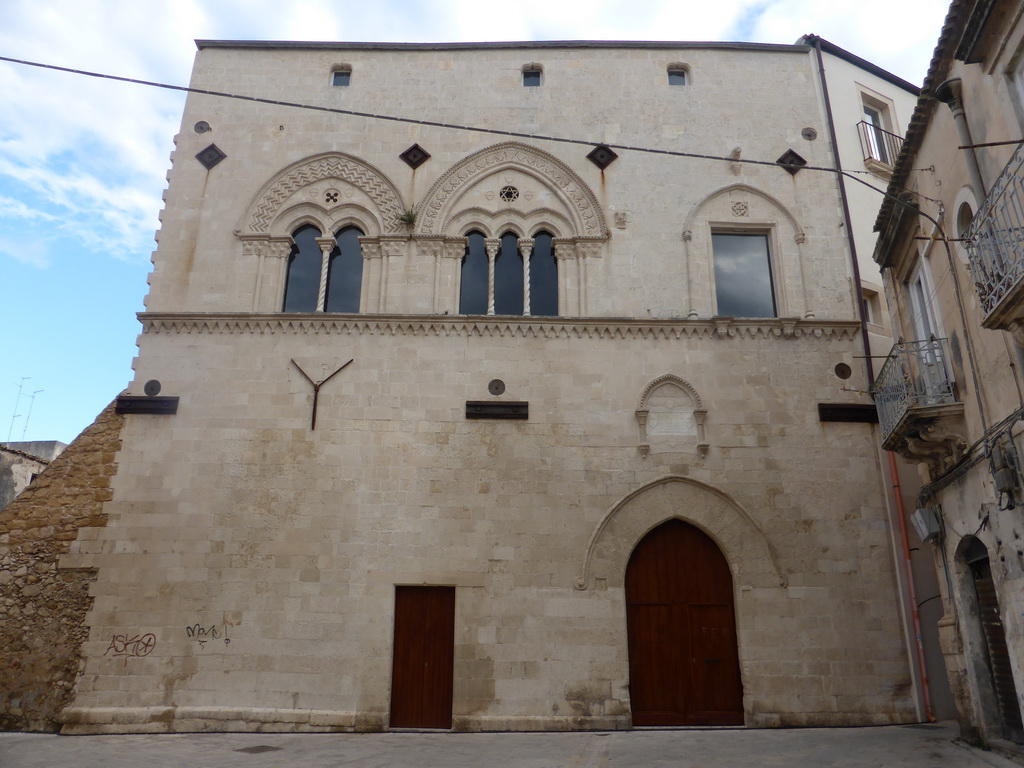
(741, 207)
(543, 194)
(280, 192)
(328, 221)
(331, 190)
(749, 552)
(525, 224)
(578, 203)
(696, 408)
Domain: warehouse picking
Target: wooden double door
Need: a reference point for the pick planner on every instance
(683, 656)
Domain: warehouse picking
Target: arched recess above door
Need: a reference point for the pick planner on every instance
(746, 547)
(487, 180)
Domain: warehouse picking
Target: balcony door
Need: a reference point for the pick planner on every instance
(932, 372)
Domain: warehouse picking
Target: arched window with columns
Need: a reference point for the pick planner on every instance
(324, 274)
(509, 275)
(345, 272)
(543, 294)
(304, 264)
(474, 292)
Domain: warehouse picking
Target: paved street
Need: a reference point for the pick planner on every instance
(891, 747)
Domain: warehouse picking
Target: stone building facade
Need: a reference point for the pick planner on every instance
(446, 421)
(949, 396)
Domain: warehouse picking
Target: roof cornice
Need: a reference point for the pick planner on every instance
(514, 45)
(857, 61)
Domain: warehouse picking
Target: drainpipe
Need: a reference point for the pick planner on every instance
(911, 590)
(951, 94)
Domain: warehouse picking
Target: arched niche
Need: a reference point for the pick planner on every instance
(746, 547)
(670, 417)
(512, 177)
(741, 208)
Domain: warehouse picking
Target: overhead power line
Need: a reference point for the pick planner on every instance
(400, 119)
(460, 127)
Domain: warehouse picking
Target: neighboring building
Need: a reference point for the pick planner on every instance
(949, 396)
(434, 427)
(21, 463)
(869, 109)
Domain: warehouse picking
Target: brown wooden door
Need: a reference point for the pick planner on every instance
(683, 660)
(424, 654)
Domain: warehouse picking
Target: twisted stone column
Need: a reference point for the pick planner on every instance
(526, 249)
(326, 246)
(492, 244)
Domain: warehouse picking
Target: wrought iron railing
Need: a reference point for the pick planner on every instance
(879, 144)
(914, 375)
(995, 239)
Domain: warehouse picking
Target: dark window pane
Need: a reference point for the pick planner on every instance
(345, 278)
(677, 77)
(508, 277)
(743, 277)
(543, 276)
(473, 292)
(531, 78)
(341, 78)
(303, 282)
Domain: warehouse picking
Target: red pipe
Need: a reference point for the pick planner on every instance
(911, 591)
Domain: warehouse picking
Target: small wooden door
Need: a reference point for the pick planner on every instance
(424, 657)
(683, 658)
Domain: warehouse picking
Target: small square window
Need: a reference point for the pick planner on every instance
(341, 77)
(531, 78)
(677, 77)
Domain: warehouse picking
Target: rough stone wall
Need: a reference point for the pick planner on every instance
(42, 609)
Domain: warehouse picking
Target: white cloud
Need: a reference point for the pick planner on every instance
(93, 153)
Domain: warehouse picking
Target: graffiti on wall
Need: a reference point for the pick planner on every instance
(129, 646)
(203, 634)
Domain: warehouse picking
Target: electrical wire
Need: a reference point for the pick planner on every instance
(457, 126)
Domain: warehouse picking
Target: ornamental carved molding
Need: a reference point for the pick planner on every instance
(334, 165)
(938, 445)
(750, 552)
(588, 219)
(696, 410)
(505, 328)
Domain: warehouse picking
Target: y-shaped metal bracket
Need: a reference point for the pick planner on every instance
(316, 387)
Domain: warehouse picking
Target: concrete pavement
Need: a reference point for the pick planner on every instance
(914, 746)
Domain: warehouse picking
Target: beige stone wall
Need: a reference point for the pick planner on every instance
(246, 578)
(236, 518)
(42, 608)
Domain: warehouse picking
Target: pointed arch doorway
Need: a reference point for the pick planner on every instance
(681, 629)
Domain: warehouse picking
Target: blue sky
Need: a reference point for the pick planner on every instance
(83, 161)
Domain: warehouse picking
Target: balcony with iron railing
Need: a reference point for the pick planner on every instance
(881, 147)
(995, 248)
(918, 410)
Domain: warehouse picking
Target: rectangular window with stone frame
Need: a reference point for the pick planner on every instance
(743, 275)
